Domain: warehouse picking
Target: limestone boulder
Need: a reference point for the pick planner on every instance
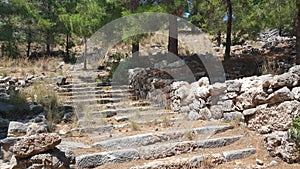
(281, 95)
(245, 100)
(233, 86)
(296, 93)
(275, 118)
(217, 88)
(231, 116)
(35, 144)
(280, 145)
(36, 128)
(51, 159)
(16, 129)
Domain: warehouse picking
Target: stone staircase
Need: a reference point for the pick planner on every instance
(117, 129)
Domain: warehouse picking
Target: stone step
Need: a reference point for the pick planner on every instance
(93, 84)
(123, 105)
(131, 103)
(139, 117)
(198, 161)
(127, 155)
(109, 128)
(93, 101)
(95, 88)
(130, 112)
(103, 128)
(100, 95)
(152, 138)
(98, 159)
(80, 72)
(71, 92)
(171, 149)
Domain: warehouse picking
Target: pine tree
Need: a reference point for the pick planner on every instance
(228, 29)
(298, 33)
(134, 4)
(29, 18)
(86, 20)
(9, 24)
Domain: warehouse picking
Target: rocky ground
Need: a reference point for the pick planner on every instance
(152, 122)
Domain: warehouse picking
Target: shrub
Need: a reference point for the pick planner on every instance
(19, 101)
(208, 162)
(45, 95)
(294, 132)
(134, 125)
(269, 66)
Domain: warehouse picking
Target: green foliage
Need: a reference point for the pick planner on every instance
(280, 14)
(260, 15)
(48, 23)
(86, 19)
(294, 132)
(114, 63)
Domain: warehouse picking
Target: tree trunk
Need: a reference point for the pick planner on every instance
(28, 49)
(280, 31)
(219, 38)
(228, 31)
(84, 54)
(28, 43)
(298, 35)
(48, 51)
(195, 12)
(67, 46)
(134, 4)
(48, 32)
(173, 35)
(135, 49)
(2, 50)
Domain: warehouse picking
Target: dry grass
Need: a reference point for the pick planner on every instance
(22, 66)
(208, 162)
(189, 135)
(134, 125)
(269, 67)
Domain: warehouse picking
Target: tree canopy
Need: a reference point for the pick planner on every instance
(28, 26)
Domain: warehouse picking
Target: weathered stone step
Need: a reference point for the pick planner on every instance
(95, 88)
(198, 161)
(93, 101)
(111, 127)
(84, 84)
(70, 92)
(103, 128)
(123, 105)
(93, 84)
(160, 121)
(171, 149)
(131, 112)
(71, 145)
(79, 72)
(101, 95)
(127, 155)
(152, 138)
(139, 118)
(134, 111)
(131, 103)
(98, 159)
